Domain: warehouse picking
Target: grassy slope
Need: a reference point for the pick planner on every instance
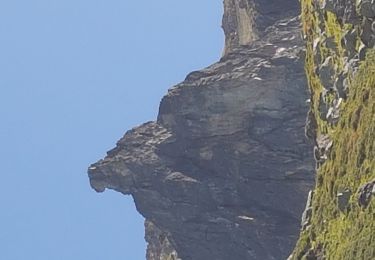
(350, 234)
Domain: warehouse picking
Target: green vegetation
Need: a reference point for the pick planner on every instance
(335, 234)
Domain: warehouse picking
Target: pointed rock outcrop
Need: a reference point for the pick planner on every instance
(225, 170)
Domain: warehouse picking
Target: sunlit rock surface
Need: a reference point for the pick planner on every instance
(340, 65)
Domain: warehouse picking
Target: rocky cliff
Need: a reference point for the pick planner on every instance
(339, 221)
(224, 171)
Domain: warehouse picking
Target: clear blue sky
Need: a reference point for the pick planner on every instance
(74, 76)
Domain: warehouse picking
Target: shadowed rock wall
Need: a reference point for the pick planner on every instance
(225, 170)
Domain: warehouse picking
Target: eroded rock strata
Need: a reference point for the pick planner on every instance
(225, 170)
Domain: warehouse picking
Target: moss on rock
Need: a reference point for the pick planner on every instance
(333, 233)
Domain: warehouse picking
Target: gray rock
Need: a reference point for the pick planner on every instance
(333, 113)
(349, 42)
(366, 192)
(366, 8)
(343, 199)
(307, 213)
(341, 85)
(351, 66)
(246, 21)
(317, 52)
(326, 73)
(328, 5)
(159, 245)
(311, 126)
(329, 42)
(350, 15)
(323, 106)
(367, 34)
(322, 149)
(362, 52)
(344, 10)
(223, 172)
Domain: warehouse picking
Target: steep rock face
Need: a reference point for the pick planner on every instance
(225, 170)
(245, 21)
(340, 65)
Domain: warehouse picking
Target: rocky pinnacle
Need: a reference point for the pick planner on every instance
(225, 170)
